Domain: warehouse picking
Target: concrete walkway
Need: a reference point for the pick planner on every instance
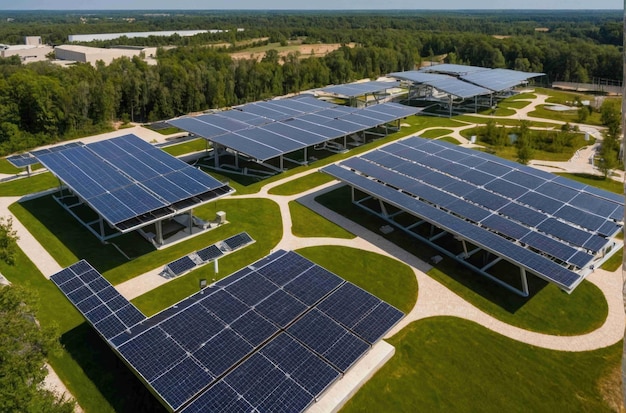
(434, 298)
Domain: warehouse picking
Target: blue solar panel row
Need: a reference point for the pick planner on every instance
(479, 236)
(96, 299)
(290, 124)
(246, 343)
(128, 181)
(540, 190)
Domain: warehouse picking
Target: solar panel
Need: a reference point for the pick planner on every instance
(377, 322)
(337, 345)
(181, 265)
(222, 352)
(254, 328)
(286, 269)
(109, 176)
(492, 242)
(348, 304)
(281, 308)
(238, 240)
(312, 285)
(301, 364)
(182, 382)
(209, 253)
(217, 350)
(251, 289)
(21, 160)
(96, 299)
(219, 398)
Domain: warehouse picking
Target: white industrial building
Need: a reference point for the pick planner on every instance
(130, 35)
(32, 51)
(85, 54)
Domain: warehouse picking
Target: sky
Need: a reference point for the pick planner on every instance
(305, 5)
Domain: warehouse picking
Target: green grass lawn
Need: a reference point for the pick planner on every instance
(68, 241)
(514, 103)
(570, 116)
(29, 185)
(435, 133)
(194, 145)
(613, 263)
(450, 139)
(386, 278)
(445, 364)
(7, 168)
(547, 310)
(302, 184)
(306, 223)
(506, 122)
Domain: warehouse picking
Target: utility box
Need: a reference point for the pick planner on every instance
(220, 217)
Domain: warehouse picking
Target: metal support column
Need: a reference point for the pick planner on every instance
(465, 253)
(216, 155)
(190, 225)
(524, 278)
(159, 232)
(101, 226)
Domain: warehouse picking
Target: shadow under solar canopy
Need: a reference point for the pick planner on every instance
(271, 337)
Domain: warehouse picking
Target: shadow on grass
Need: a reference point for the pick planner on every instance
(121, 388)
(72, 237)
(453, 275)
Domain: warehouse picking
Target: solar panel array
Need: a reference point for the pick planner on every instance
(538, 220)
(271, 337)
(268, 129)
(25, 159)
(466, 81)
(206, 255)
(360, 89)
(499, 79)
(129, 182)
(97, 299)
(447, 84)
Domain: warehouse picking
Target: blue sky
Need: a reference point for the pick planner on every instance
(295, 4)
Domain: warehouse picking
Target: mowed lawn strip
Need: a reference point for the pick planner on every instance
(306, 223)
(446, 364)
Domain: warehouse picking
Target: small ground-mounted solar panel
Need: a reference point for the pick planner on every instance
(238, 240)
(209, 253)
(245, 343)
(22, 160)
(181, 265)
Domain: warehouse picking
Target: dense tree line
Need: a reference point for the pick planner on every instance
(42, 103)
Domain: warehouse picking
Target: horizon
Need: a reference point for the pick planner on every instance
(321, 5)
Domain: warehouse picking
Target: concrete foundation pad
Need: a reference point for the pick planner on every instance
(340, 392)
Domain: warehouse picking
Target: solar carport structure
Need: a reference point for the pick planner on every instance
(553, 227)
(378, 90)
(129, 183)
(270, 338)
(272, 129)
(462, 82)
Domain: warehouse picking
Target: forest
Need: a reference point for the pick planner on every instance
(43, 103)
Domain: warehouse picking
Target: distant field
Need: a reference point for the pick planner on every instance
(305, 50)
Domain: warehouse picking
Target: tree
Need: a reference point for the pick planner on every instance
(8, 241)
(24, 347)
